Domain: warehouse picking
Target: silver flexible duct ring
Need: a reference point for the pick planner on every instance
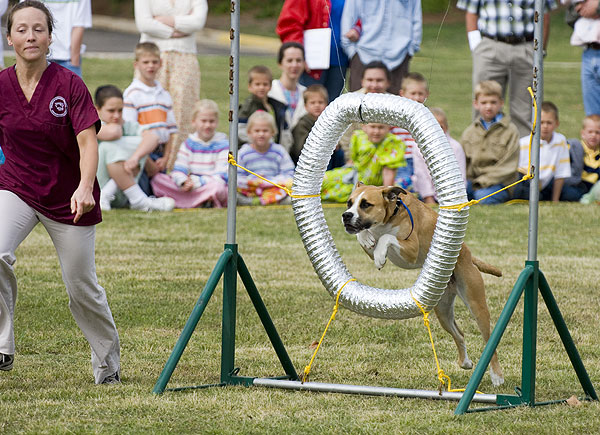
(318, 242)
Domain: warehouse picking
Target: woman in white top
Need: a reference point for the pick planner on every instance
(171, 24)
(287, 90)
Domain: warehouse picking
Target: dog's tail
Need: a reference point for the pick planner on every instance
(486, 268)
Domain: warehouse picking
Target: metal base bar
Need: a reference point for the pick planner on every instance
(368, 390)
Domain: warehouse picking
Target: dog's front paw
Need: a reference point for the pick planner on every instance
(366, 239)
(379, 258)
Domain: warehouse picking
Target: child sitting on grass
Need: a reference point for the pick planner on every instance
(121, 156)
(265, 158)
(585, 163)
(375, 155)
(554, 158)
(422, 181)
(491, 145)
(315, 100)
(259, 85)
(199, 176)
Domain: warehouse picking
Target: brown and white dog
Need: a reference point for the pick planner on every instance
(385, 230)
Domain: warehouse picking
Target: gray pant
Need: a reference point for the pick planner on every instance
(512, 67)
(87, 300)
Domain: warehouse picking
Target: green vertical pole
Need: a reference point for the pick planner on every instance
(190, 325)
(229, 310)
(492, 344)
(265, 318)
(566, 338)
(530, 335)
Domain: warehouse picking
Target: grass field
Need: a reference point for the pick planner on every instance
(154, 267)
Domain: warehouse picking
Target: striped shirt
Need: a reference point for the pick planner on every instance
(198, 158)
(150, 105)
(591, 164)
(405, 136)
(504, 17)
(275, 165)
(554, 158)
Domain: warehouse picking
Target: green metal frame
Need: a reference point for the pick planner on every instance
(229, 265)
(529, 282)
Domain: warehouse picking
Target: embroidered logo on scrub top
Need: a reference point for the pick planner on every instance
(58, 107)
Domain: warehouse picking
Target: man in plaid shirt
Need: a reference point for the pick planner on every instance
(500, 34)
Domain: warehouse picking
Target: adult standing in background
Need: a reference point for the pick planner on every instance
(389, 31)
(584, 17)
(48, 126)
(500, 34)
(172, 26)
(72, 18)
(299, 15)
(3, 7)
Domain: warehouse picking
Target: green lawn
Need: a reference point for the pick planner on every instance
(154, 267)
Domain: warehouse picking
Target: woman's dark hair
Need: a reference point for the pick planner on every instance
(104, 93)
(30, 4)
(285, 46)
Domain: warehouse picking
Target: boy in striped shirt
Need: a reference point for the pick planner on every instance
(414, 87)
(555, 164)
(148, 103)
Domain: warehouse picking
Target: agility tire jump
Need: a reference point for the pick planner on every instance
(447, 179)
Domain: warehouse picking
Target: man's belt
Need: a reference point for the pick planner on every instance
(513, 40)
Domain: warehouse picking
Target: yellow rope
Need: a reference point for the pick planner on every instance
(527, 176)
(335, 310)
(231, 161)
(440, 372)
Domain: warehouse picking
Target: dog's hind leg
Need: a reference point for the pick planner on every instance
(473, 296)
(444, 311)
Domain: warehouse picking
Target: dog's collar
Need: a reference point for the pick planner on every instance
(412, 222)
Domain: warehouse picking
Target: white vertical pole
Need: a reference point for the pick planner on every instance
(538, 89)
(234, 74)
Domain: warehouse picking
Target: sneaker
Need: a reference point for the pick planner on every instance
(6, 362)
(155, 204)
(112, 379)
(105, 202)
(161, 204)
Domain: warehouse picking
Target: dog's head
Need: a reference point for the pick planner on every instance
(369, 206)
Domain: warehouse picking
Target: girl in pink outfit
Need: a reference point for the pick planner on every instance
(199, 177)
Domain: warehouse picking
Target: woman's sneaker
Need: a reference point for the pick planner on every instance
(115, 378)
(6, 362)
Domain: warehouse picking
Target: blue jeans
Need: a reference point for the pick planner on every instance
(499, 198)
(67, 64)
(404, 174)
(332, 78)
(1, 157)
(590, 81)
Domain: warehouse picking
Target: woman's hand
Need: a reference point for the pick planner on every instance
(82, 201)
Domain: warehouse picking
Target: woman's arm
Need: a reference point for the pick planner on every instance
(146, 23)
(82, 200)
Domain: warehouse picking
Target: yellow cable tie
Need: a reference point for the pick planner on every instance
(231, 161)
(335, 310)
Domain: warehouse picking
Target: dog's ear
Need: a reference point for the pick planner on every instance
(358, 184)
(391, 193)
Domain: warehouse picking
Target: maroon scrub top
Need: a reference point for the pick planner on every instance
(39, 141)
